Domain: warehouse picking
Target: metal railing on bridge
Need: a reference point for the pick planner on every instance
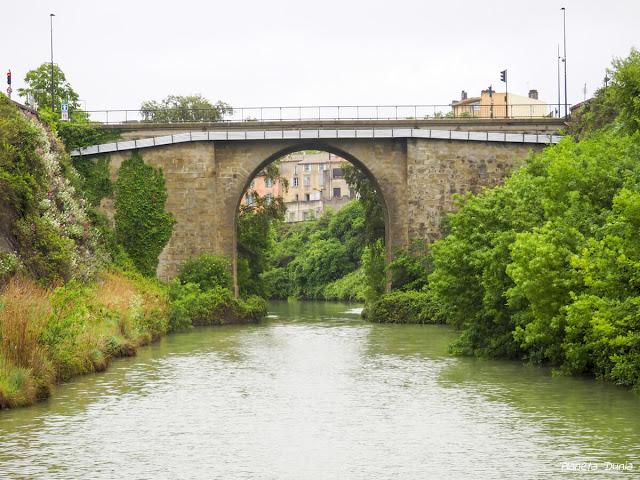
(319, 113)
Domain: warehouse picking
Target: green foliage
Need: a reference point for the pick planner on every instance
(95, 178)
(546, 267)
(321, 258)
(626, 90)
(351, 287)
(78, 135)
(42, 213)
(370, 201)
(405, 307)
(208, 271)
(47, 255)
(373, 264)
(201, 295)
(189, 108)
(256, 241)
(411, 267)
(39, 87)
(613, 106)
(142, 226)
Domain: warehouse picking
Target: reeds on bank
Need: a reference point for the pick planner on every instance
(48, 335)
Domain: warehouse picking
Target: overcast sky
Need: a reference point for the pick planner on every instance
(249, 53)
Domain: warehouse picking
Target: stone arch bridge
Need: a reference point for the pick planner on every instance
(416, 166)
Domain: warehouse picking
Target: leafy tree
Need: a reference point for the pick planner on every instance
(626, 89)
(370, 200)
(255, 242)
(189, 108)
(374, 254)
(39, 87)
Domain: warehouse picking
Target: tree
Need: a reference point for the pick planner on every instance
(189, 108)
(626, 89)
(255, 242)
(39, 88)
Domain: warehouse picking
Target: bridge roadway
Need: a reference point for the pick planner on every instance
(141, 135)
(416, 166)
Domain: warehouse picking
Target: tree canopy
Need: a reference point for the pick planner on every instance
(39, 88)
(188, 108)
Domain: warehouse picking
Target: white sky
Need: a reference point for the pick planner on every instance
(252, 53)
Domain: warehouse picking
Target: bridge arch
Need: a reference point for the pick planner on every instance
(376, 171)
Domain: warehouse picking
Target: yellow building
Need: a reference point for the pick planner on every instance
(500, 105)
(315, 183)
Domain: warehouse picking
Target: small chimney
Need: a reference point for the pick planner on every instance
(464, 95)
(533, 94)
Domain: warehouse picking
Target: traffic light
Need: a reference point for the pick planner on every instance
(9, 78)
(503, 75)
(490, 91)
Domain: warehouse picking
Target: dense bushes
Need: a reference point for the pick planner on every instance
(201, 295)
(326, 258)
(42, 213)
(546, 267)
(405, 307)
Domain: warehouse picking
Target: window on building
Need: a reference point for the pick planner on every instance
(297, 197)
(268, 182)
(307, 180)
(307, 197)
(337, 192)
(306, 167)
(269, 198)
(337, 173)
(321, 179)
(295, 169)
(322, 167)
(250, 199)
(292, 216)
(294, 181)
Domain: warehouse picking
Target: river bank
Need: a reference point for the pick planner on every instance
(51, 335)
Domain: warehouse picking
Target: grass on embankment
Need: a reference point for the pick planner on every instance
(48, 336)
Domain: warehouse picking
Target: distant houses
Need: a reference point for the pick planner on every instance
(492, 104)
(315, 183)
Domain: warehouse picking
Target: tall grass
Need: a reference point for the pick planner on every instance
(26, 372)
(51, 335)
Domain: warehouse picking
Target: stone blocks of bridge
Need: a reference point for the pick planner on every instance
(416, 177)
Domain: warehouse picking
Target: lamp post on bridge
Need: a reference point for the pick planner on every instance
(564, 35)
(53, 104)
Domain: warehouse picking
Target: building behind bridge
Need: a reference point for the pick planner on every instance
(315, 184)
(500, 105)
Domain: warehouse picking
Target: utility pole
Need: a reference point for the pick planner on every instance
(559, 97)
(53, 104)
(564, 34)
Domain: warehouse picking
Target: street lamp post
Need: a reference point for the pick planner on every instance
(564, 34)
(53, 105)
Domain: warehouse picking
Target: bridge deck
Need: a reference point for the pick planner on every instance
(300, 133)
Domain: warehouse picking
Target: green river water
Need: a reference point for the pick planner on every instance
(315, 393)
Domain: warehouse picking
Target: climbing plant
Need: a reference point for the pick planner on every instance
(143, 228)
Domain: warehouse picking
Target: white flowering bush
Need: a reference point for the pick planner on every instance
(62, 212)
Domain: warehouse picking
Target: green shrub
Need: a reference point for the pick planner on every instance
(405, 307)
(208, 271)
